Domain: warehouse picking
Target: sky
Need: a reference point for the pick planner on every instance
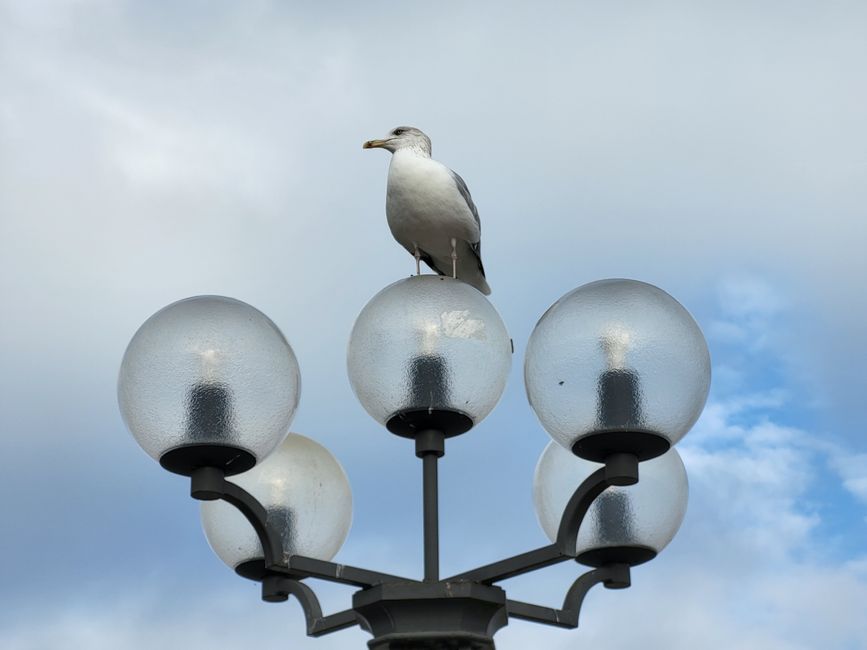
(151, 151)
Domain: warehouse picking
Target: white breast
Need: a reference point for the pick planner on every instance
(424, 206)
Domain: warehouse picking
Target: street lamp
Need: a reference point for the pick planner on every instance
(617, 372)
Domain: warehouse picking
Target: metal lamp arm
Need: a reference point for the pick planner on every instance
(277, 588)
(613, 576)
(308, 567)
(619, 469)
(576, 509)
(210, 484)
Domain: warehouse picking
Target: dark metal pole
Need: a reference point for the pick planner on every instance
(431, 520)
(430, 447)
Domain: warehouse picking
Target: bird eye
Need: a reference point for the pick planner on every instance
(398, 131)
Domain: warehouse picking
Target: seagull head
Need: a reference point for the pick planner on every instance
(402, 137)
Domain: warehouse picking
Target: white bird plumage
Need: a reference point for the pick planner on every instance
(430, 210)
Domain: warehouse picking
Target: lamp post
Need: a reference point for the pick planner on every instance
(617, 372)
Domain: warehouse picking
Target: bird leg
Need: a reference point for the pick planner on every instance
(417, 255)
(454, 258)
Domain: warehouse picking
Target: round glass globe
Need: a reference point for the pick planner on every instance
(307, 497)
(208, 380)
(625, 524)
(429, 346)
(613, 361)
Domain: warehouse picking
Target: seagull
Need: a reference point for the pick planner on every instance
(430, 210)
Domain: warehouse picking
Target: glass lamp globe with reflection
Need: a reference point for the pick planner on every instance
(617, 366)
(429, 352)
(308, 501)
(208, 381)
(628, 524)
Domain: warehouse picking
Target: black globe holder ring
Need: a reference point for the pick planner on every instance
(461, 611)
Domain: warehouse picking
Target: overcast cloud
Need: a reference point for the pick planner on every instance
(150, 151)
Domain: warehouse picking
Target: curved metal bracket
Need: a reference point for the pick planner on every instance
(613, 576)
(276, 588)
(576, 509)
(619, 469)
(210, 484)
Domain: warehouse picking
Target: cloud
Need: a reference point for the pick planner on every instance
(852, 469)
(151, 151)
(207, 620)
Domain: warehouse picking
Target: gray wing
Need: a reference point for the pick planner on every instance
(465, 192)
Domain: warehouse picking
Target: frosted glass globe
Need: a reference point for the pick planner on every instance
(208, 380)
(617, 365)
(429, 345)
(625, 524)
(307, 497)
